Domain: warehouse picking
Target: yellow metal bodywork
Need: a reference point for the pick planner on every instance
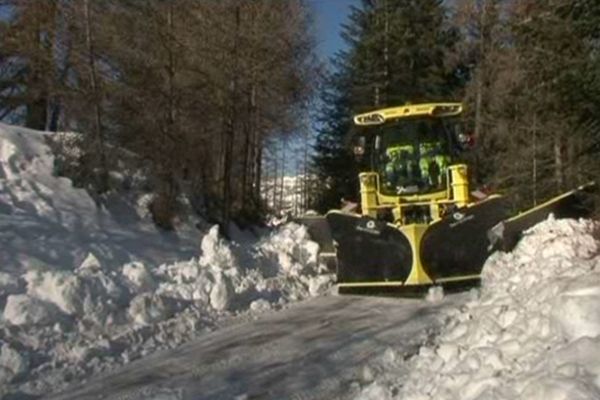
(414, 233)
(373, 200)
(456, 193)
(379, 117)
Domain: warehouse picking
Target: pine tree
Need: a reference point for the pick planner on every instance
(27, 68)
(333, 165)
(397, 53)
(481, 57)
(532, 88)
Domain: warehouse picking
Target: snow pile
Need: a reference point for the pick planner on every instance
(72, 323)
(84, 288)
(283, 268)
(46, 222)
(532, 332)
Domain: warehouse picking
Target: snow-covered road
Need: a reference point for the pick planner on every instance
(85, 290)
(318, 349)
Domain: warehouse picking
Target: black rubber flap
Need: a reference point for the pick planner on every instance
(458, 245)
(369, 250)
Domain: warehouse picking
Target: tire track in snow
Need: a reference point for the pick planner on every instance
(313, 350)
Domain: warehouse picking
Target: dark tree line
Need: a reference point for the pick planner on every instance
(534, 93)
(398, 51)
(195, 89)
(527, 71)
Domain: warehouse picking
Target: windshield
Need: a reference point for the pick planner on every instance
(413, 154)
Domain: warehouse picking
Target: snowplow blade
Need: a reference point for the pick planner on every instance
(378, 257)
(576, 203)
(318, 230)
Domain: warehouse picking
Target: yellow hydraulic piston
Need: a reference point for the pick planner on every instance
(460, 184)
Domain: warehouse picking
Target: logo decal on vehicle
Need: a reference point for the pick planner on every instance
(460, 218)
(369, 227)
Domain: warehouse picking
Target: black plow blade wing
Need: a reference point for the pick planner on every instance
(577, 203)
(318, 230)
(456, 247)
(369, 251)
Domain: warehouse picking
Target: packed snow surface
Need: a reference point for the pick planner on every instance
(531, 332)
(85, 288)
(320, 349)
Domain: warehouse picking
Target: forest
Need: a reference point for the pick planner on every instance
(528, 73)
(196, 90)
(211, 98)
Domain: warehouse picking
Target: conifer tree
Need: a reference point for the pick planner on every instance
(536, 81)
(397, 52)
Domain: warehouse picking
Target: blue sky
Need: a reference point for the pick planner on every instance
(329, 17)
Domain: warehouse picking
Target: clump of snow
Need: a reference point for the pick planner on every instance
(435, 294)
(84, 288)
(91, 318)
(221, 293)
(90, 263)
(532, 332)
(215, 251)
(139, 277)
(575, 310)
(12, 363)
(21, 309)
(147, 308)
(61, 288)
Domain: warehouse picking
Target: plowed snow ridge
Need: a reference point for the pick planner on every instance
(80, 295)
(533, 332)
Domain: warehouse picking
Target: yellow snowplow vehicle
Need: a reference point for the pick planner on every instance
(418, 223)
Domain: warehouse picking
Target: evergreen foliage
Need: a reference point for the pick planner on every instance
(398, 51)
(527, 71)
(534, 89)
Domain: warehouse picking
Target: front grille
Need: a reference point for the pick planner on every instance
(416, 214)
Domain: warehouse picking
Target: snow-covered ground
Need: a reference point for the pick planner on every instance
(85, 289)
(531, 332)
(46, 222)
(321, 349)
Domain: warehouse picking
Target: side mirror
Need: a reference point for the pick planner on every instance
(463, 138)
(465, 141)
(359, 148)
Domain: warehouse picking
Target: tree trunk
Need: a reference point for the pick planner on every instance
(230, 128)
(248, 149)
(386, 54)
(37, 113)
(258, 170)
(98, 147)
(534, 173)
(558, 163)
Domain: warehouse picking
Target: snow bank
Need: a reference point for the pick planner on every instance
(532, 332)
(47, 222)
(84, 288)
(281, 268)
(72, 323)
